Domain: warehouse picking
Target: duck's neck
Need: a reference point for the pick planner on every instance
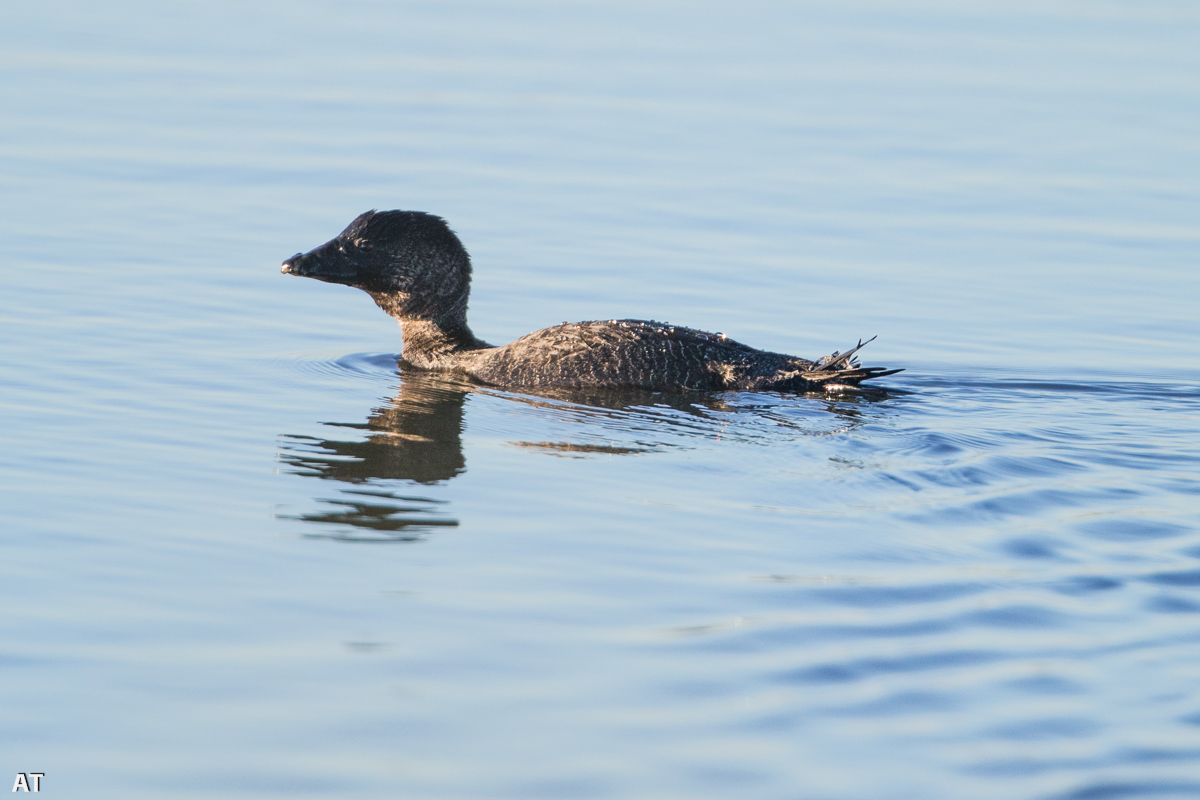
(434, 345)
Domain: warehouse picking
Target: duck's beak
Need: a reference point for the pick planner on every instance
(326, 263)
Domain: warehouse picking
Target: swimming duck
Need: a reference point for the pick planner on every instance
(416, 269)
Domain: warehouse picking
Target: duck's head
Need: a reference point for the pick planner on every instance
(410, 262)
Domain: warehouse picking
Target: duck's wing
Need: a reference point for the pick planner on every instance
(610, 353)
(656, 356)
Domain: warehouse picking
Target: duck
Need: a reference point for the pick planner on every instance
(417, 270)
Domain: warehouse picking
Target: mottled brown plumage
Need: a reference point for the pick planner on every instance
(417, 270)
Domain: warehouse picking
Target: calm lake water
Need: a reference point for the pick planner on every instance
(244, 555)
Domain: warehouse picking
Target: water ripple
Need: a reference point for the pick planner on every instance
(355, 366)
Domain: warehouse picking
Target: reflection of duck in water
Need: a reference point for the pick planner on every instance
(385, 481)
(418, 271)
(417, 437)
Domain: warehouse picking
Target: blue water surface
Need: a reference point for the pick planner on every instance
(243, 554)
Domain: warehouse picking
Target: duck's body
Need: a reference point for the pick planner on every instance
(417, 270)
(632, 353)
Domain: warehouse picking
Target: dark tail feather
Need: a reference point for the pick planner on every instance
(838, 359)
(844, 368)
